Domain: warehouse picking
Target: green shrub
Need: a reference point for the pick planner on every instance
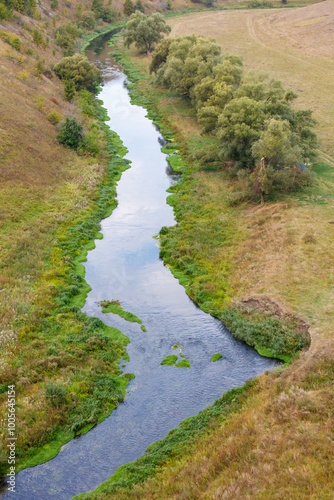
(5, 13)
(54, 4)
(54, 116)
(12, 40)
(70, 134)
(69, 89)
(84, 74)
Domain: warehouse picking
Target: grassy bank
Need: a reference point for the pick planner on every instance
(64, 365)
(251, 265)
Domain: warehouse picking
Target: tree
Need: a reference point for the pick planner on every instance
(128, 7)
(84, 74)
(145, 31)
(98, 8)
(69, 89)
(139, 6)
(190, 59)
(239, 126)
(275, 144)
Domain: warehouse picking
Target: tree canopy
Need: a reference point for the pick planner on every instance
(84, 74)
(145, 31)
(258, 129)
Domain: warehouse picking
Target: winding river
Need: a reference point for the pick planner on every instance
(125, 265)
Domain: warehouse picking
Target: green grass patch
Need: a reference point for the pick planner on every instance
(169, 360)
(113, 306)
(217, 356)
(183, 363)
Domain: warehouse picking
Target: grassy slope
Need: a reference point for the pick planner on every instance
(51, 201)
(280, 444)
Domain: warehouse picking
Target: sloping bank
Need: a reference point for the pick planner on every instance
(185, 248)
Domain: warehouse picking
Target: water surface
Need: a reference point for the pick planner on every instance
(125, 265)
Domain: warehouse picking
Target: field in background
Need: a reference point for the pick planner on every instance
(293, 45)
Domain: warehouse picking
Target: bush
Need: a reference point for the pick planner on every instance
(84, 74)
(54, 116)
(70, 134)
(12, 40)
(4, 12)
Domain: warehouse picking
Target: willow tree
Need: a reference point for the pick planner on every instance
(145, 31)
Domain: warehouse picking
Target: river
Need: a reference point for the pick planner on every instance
(125, 265)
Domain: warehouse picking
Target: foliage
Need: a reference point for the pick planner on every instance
(253, 118)
(183, 363)
(12, 40)
(71, 134)
(169, 360)
(128, 7)
(145, 31)
(217, 356)
(54, 116)
(271, 333)
(55, 393)
(54, 4)
(69, 89)
(115, 307)
(139, 6)
(84, 74)
(5, 12)
(66, 37)
(190, 59)
(22, 6)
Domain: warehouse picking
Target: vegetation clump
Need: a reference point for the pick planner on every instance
(217, 356)
(115, 307)
(71, 134)
(145, 31)
(77, 68)
(263, 140)
(169, 360)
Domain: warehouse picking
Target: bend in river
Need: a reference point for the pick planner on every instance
(125, 265)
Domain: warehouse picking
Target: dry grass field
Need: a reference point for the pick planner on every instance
(293, 45)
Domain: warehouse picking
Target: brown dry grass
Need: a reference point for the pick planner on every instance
(293, 45)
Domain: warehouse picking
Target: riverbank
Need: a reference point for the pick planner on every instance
(52, 201)
(258, 268)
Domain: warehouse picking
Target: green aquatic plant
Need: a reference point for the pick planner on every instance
(169, 360)
(114, 306)
(183, 363)
(216, 356)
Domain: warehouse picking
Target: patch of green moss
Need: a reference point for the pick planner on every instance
(113, 306)
(169, 360)
(183, 363)
(216, 356)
